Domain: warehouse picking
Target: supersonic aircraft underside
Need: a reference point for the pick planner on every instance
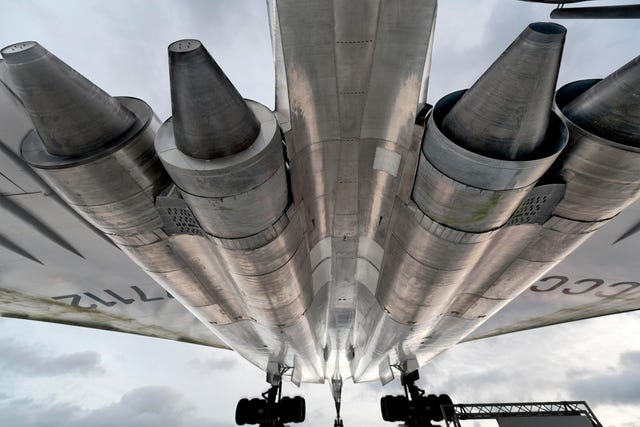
(354, 231)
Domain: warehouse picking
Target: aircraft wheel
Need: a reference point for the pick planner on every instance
(257, 410)
(394, 408)
(242, 409)
(401, 408)
(290, 409)
(299, 408)
(433, 405)
(285, 409)
(445, 400)
(385, 407)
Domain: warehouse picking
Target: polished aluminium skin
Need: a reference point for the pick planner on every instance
(372, 240)
(467, 187)
(241, 200)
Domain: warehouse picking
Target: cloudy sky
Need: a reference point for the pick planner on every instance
(55, 375)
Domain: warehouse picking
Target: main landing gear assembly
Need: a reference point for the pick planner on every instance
(414, 408)
(272, 410)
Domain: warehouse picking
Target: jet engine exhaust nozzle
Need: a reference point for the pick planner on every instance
(210, 118)
(610, 108)
(505, 114)
(73, 116)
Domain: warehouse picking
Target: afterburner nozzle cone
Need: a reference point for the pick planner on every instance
(505, 114)
(210, 118)
(72, 115)
(610, 109)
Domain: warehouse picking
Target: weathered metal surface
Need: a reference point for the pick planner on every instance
(72, 115)
(237, 195)
(601, 174)
(611, 107)
(211, 119)
(505, 114)
(352, 117)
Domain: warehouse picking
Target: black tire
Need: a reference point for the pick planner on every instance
(445, 400)
(242, 409)
(399, 408)
(299, 407)
(257, 410)
(434, 410)
(385, 407)
(285, 410)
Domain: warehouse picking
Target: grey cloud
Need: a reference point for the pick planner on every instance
(141, 407)
(217, 364)
(630, 360)
(618, 388)
(146, 406)
(38, 362)
(29, 413)
(485, 381)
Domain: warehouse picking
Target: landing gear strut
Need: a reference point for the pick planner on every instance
(272, 410)
(414, 408)
(336, 391)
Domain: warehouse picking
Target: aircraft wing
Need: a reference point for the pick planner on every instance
(601, 277)
(56, 267)
(627, 11)
(556, 1)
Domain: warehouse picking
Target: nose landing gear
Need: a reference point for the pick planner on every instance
(272, 410)
(414, 408)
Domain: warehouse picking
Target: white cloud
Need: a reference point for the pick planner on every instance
(210, 365)
(35, 361)
(619, 386)
(141, 407)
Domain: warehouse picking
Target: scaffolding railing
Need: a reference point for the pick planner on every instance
(490, 411)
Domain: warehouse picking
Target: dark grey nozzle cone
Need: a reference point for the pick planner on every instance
(505, 114)
(72, 115)
(210, 118)
(611, 107)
